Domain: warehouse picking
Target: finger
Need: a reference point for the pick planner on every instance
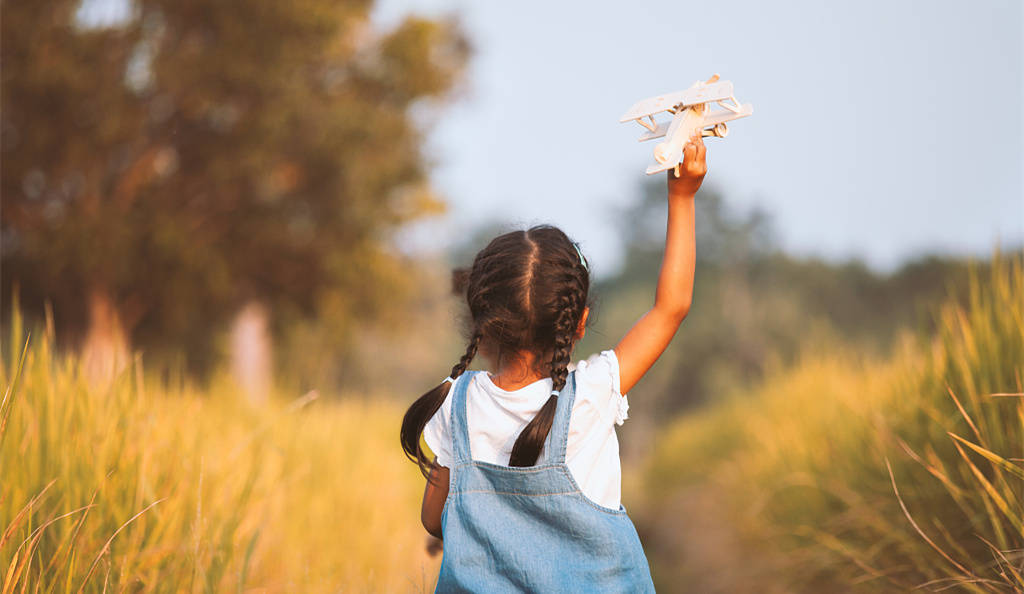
(702, 150)
(689, 152)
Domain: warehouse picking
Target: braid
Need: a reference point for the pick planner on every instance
(528, 445)
(471, 348)
(565, 328)
(427, 405)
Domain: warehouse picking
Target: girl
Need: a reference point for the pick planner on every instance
(524, 487)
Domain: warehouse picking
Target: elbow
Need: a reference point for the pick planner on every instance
(680, 314)
(431, 522)
(677, 312)
(432, 525)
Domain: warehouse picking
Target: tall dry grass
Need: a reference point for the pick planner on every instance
(146, 488)
(846, 473)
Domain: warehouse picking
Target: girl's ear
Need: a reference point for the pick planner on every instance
(581, 329)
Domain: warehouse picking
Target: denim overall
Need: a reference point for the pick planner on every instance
(531, 529)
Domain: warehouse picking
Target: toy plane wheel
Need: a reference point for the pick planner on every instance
(718, 130)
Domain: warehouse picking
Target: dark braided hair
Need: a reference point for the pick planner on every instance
(425, 406)
(526, 292)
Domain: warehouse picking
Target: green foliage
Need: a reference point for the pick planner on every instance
(204, 154)
(754, 305)
(851, 473)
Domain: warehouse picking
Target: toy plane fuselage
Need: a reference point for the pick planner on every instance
(691, 111)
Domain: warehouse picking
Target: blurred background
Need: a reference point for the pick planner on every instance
(227, 233)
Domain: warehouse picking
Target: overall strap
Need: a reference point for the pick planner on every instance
(459, 428)
(558, 437)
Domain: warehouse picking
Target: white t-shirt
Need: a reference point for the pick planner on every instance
(495, 418)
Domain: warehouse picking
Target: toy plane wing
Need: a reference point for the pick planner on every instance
(713, 119)
(692, 96)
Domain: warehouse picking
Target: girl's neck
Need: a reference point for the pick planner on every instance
(516, 372)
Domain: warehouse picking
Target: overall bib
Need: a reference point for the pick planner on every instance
(531, 529)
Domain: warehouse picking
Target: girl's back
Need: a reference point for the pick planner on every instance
(496, 417)
(531, 529)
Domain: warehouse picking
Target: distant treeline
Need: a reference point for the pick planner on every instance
(754, 305)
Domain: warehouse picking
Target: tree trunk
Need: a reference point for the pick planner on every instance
(251, 352)
(105, 348)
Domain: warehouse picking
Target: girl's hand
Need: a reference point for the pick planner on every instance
(691, 170)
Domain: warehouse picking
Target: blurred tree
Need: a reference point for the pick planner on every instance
(754, 305)
(161, 174)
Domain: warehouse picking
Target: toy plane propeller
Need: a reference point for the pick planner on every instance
(691, 111)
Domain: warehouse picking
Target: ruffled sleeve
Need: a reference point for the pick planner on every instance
(598, 377)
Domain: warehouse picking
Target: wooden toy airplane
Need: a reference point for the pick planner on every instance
(691, 111)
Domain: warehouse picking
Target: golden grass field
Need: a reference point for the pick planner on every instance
(851, 472)
(146, 487)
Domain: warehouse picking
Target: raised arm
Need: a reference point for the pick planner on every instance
(648, 338)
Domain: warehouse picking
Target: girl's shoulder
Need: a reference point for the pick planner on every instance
(598, 384)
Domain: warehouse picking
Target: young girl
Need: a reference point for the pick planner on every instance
(524, 487)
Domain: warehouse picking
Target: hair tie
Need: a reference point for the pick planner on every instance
(448, 379)
(583, 260)
(554, 392)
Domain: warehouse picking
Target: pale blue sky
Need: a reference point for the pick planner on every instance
(881, 130)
